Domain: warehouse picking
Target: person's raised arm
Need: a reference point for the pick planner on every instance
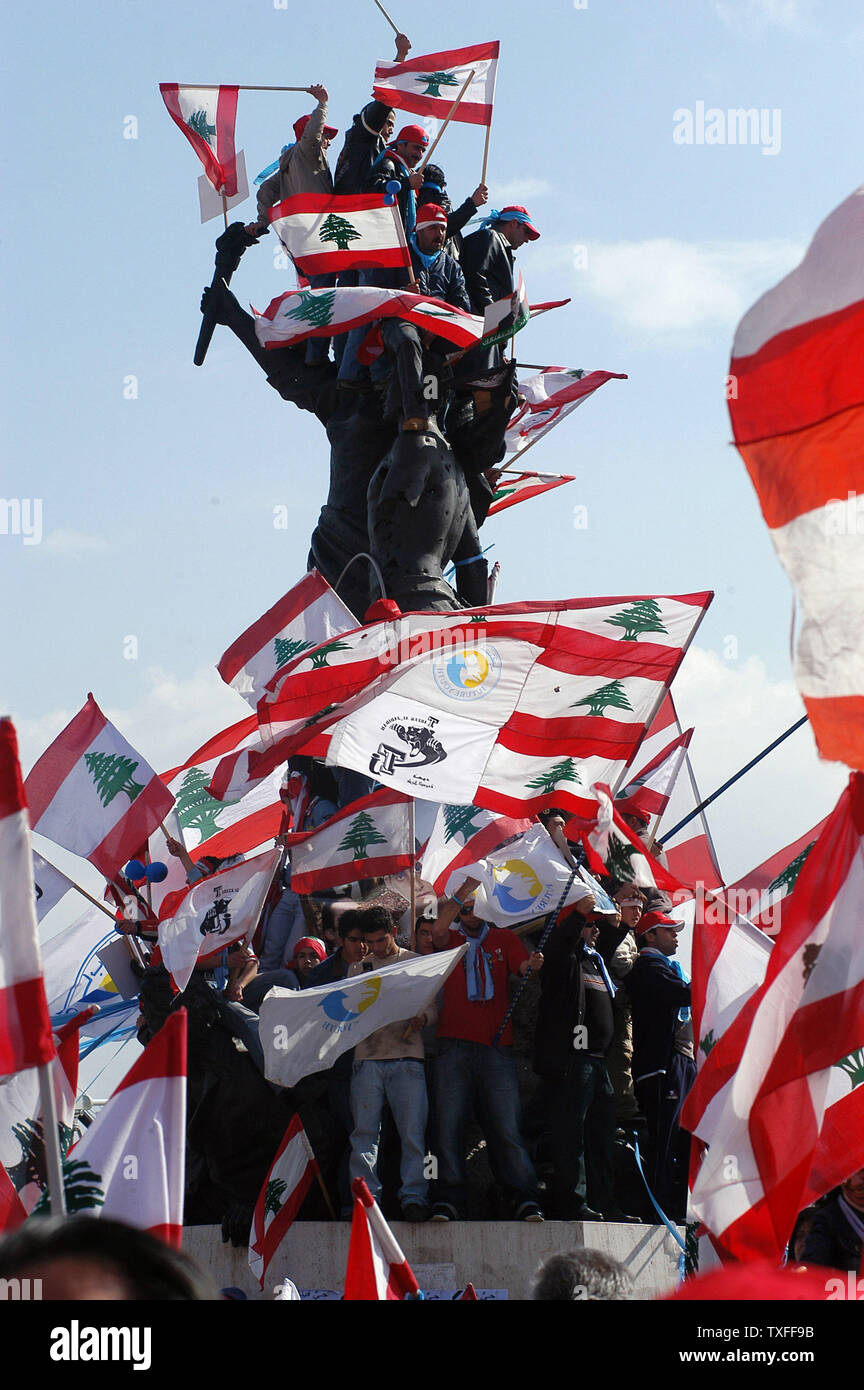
(449, 909)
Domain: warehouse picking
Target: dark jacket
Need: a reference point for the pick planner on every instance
(562, 999)
(487, 261)
(831, 1240)
(455, 222)
(656, 993)
(331, 969)
(443, 280)
(382, 172)
(354, 165)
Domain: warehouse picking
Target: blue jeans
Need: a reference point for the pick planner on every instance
(470, 1075)
(402, 1083)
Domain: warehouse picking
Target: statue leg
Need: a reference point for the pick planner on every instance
(402, 340)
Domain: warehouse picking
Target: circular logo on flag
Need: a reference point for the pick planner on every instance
(467, 673)
(516, 885)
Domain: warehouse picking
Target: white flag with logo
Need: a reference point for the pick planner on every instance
(213, 912)
(525, 879)
(305, 1031)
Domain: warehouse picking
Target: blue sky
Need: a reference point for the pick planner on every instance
(158, 510)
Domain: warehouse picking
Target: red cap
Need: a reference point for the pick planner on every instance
(431, 215)
(383, 610)
(300, 125)
(309, 943)
(657, 919)
(508, 213)
(415, 134)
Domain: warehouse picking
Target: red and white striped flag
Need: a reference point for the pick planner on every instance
(461, 837)
(368, 839)
(649, 791)
(807, 1028)
(760, 892)
(797, 415)
(324, 234)
(207, 117)
(613, 848)
(300, 314)
(518, 487)
(376, 1268)
(549, 396)
(513, 708)
(25, 1026)
(93, 794)
(281, 1197)
(309, 614)
(210, 914)
(130, 1163)
(430, 83)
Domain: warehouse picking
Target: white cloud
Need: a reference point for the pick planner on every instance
(737, 710)
(518, 192)
(667, 286)
(751, 18)
(62, 542)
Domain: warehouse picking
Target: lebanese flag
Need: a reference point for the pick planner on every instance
(22, 1147)
(430, 83)
(376, 1267)
(281, 1197)
(370, 838)
(207, 117)
(649, 791)
(323, 234)
(513, 708)
(132, 1158)
(213, 912)
(93, 794)
(807, 1029)
(549, 396)
(300, 314)
(12, 1211)
(309, 614)
(461, 837)
(760, 892)
(798, 421)
(25, 1025)
(518, 487)
(613, 848)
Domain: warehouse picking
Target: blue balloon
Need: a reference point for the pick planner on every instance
(391, 188)
(134, 870)
(156, 872)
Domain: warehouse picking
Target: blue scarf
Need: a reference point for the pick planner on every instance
(478, 976)
(271, 168)
(595, 955)
(495, 216)
(428, 261)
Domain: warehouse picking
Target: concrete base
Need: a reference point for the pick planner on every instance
(502, 1255)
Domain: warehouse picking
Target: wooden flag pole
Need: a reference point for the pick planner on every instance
(412, 838)
(325, 1192)
(225, 211)
(394, 27)
(486, 151)
(447, 119)
(215, 86)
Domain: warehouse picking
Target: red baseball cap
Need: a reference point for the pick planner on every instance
(431, 215)
(657, 919)
(300, 126)
(519, 214)
(415, 134)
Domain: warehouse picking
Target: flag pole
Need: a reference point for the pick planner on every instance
(395, 29)
(225, 211)
(726, 785)
(447, 120)
(486, 150)
(51, 1141)
(412, 837)
(215, 86)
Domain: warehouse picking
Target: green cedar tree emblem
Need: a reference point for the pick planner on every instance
(643, 616)
(287, 648)
(82, 1187)
(565, 771)
(313, 307)
(360, 834)
(319, 658)
(112, 773)
(853, 1065)
(789, 876)
(436, 80)
(577, 373)
(196, 808)
(274, 1197)
(338, 229)
(707, 1042)
(32, 1166)
(619, 858)
(198, 123)
(459, 820)
(502, 493)
(612, 694)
